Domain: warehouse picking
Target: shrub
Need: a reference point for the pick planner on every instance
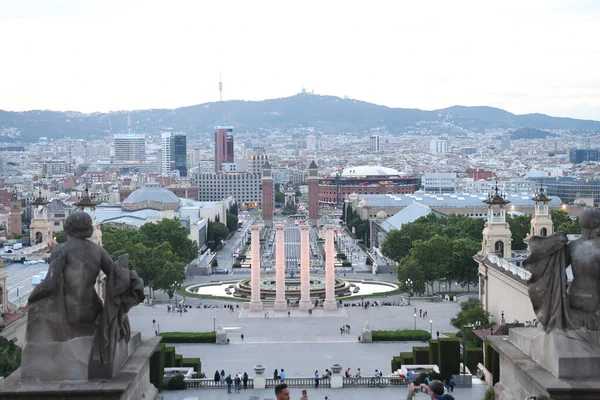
(420, 355)
(401, 336)
(449, 357)
(396, 363)
(10, 357)
(188, 337)
(434, 351)
(157, 366)
(237, 265)
(474, 357)
(178, 359)
(489, 394)
(200, 375)
(346, 264)
(169, 356)
(176, 383)
(406, 358)
(432, 376)
(192, 363)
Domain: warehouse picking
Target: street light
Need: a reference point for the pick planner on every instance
(431, 328)
(409, 284)
(415, 315)
(214, 324)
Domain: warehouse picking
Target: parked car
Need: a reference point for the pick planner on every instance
(221, 271)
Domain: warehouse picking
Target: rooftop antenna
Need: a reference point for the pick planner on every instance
(129, 123)
(220, 88)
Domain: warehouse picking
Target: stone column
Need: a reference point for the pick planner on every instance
(337, 380)
(329, 303)
(305, 303)
(255, 302)
(280, 302)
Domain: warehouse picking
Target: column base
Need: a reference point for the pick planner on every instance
(280, 305)
(260, 382)
(305, 305)
(256, 306)
(330, 305)
(337, 381)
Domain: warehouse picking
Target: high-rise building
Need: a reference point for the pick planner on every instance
(374, 142)
(313, 193)
(174, 153)
(223, 146)
(130, 147)
(311, 142)
(267, 195)
(577, 156)
(438, 146)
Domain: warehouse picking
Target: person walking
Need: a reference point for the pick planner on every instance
(316, 379)
(237, 382)
(229, 382)
(242, 336)
(245, 380)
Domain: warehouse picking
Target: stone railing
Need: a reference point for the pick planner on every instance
(510, 267)
(386, 380)
(208, 383)
(298, 382)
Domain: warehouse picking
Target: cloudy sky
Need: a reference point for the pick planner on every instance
(521, 55)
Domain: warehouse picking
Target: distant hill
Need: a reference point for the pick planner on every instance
(325, 113)
(530, 133)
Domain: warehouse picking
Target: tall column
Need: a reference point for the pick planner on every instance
(313, 194)
(280, 302)
(255, 302)
(329, 303)
(305, 303)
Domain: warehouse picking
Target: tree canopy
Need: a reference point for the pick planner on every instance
(158, 252)
(562, 222)
(10, 357)
(471, 312)
(434, 248)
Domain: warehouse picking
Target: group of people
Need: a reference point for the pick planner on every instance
(279, 375)
(178, 309)
(238, 381)
(422, 314)
(355, 377)
(345, 329)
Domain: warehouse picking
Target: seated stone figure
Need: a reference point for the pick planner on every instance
(70, 333)
(556, 307)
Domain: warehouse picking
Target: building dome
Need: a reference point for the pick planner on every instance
(152, 196)
(353, 196)
(381, 215)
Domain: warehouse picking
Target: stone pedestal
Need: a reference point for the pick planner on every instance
(132, 381)
(221, 336)
(305, 303)
(280, 302)
(561, 365)
(366, 336)
(337, 380)
(255, 302)
(329, 303)
(259, 377)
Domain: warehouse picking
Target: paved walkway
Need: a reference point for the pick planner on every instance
(476, 393)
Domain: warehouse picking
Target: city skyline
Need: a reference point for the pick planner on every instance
(102, 56)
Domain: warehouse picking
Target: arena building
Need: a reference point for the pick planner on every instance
(364, 180)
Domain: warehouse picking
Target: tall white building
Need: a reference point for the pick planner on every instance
(174, 153)
(130, 147)
(439, 182)
(374, 143)
(311, 142)
(438, 146)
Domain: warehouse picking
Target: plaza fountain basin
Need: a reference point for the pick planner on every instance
(241, 289)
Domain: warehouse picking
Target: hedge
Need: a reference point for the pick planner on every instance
(189, 337)
(169, 357)
(176, 383)
(178, 358)
(420, 355)
(492, 361)
(192, 363)
(157, 366)
(449, 357)
(407, 358)
(401, 336)
(396, 363)
(434, 351)
(474, 357)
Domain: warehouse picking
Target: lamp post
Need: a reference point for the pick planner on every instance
(214, 324)
(431, 328)
(415, 315)
(409, 284)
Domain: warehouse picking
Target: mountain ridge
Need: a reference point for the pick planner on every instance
(324, 113)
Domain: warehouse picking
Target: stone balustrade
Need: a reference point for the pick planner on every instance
(298, 382)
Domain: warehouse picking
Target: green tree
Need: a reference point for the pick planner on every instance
(234, 209)
(61, 236)
(170, 231)
(559, 217)
(408, 270)
(471, 312)
(10, 357)
(570, 226)
(461, 266)
(520, 225)
(232, 222)
(279, 197)
(426, 255)
(216, 233)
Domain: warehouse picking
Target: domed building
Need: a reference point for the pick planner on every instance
(152, 196)
(364, 179)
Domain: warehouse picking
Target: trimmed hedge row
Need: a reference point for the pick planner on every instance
(474, 357)
(396, 363)
(449, 357)
(406, 358)
(492, 361)
(420, 355)
(188, 337)
(192, 363)
(434, 351)
(401, 336)
(157, 366)
(165, 357)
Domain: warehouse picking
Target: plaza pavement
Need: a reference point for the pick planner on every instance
(399, 393)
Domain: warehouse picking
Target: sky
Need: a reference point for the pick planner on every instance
(521, 55)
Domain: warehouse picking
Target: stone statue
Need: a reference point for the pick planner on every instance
(71, 334)
(577, 308)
